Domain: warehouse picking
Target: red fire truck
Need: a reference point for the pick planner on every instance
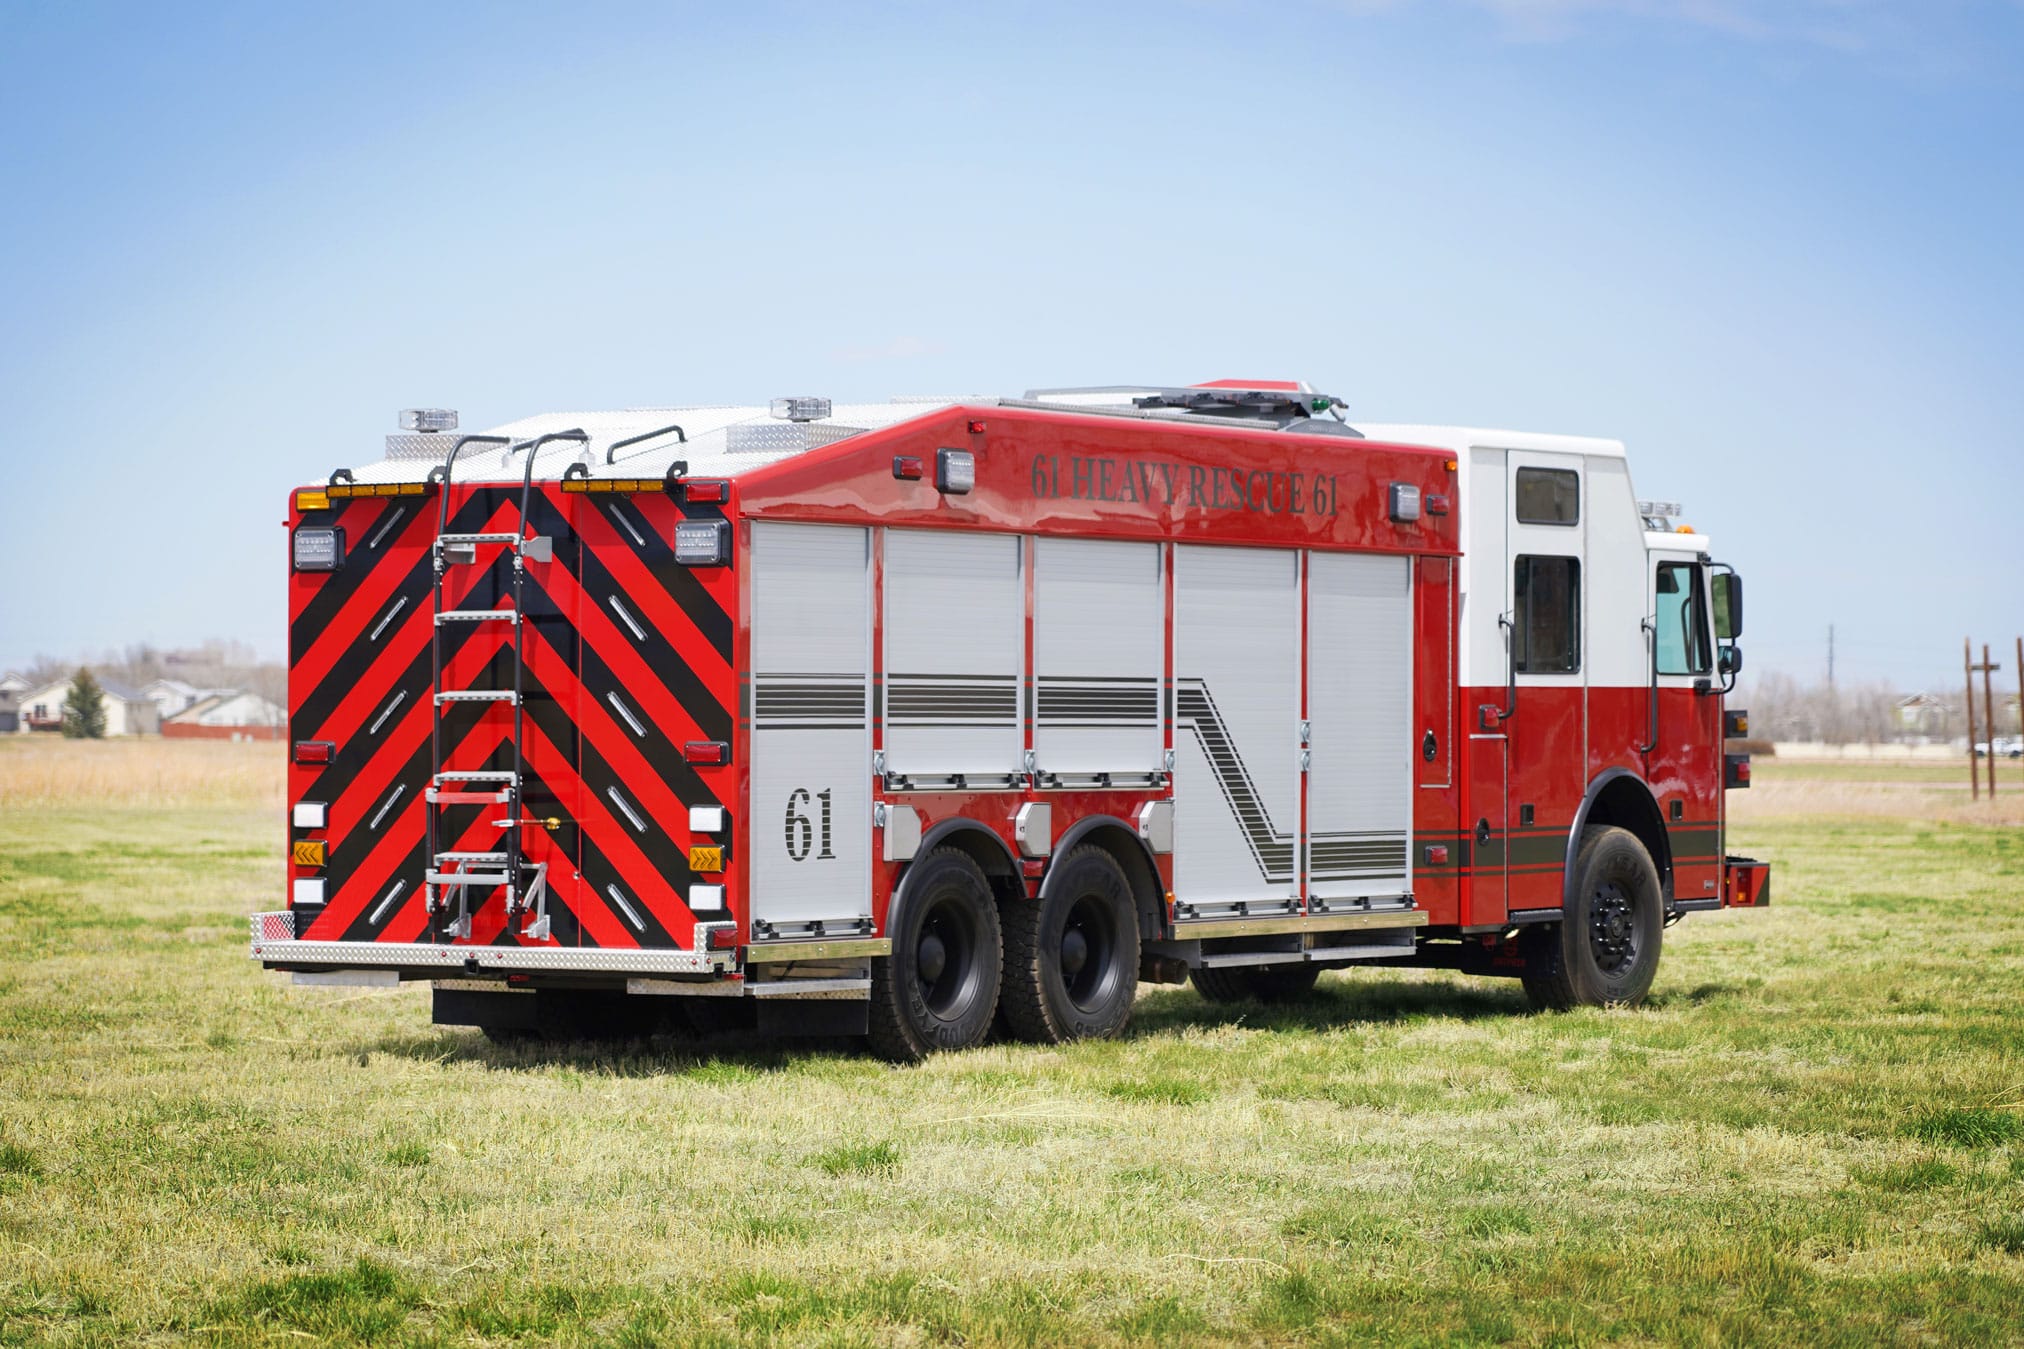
(913, 719)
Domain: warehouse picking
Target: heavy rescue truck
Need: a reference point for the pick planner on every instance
(906, 719)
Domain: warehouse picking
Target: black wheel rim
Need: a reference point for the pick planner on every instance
(1612, 929)
(1087, 953)
(948, 958)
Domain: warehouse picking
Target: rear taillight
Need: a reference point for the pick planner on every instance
(722, 938)
(707, 752)
(706, 491)
(314, 751)
(1737, 770)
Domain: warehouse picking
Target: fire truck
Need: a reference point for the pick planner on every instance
(935, 719)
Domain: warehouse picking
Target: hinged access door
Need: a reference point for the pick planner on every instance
(1360, 714)
(810, 832)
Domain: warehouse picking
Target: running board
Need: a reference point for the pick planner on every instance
(1361, 920)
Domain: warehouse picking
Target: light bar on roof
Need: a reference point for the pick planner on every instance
(800, 409)
(428, 419)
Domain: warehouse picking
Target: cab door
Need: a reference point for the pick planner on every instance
(1682, 745)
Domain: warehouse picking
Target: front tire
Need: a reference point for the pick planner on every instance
(1605, 950)
(939, 987)
(1072, 957)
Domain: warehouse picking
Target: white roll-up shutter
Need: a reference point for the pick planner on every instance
(811, 729)
(1359, 706)
(1098, 656)
(1236, 726)
(955, 647)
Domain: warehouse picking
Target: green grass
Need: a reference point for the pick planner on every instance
(1813, 1134)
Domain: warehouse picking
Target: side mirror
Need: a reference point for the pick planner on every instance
(1730, 661)
(1728, 606)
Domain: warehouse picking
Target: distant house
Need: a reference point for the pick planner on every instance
(230, 714)
(14, 684)
(10, 714)
(127, 710)
(171, 695)
(1922, 714)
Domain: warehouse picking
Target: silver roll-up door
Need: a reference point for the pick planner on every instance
(811, 729)
(955, 647)
(1359, 706)
(1236, 725)
(1099, 652)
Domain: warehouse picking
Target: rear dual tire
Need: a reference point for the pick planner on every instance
(1072, 956)
(940, 986)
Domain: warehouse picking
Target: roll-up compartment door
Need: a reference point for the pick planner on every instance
(1236, 727)
(1099, 654)
(810, 799)
(955, 647)
(1359, 709)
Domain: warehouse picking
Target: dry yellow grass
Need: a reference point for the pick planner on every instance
(48, 772)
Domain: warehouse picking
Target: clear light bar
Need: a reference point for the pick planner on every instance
(1657, 508)
(800, 409)
(428, 419)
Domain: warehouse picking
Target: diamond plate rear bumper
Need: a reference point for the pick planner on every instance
(274, 946)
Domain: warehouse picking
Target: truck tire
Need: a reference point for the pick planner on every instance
(1266, 983)
(1072, 957)
(1605, 949)
(939, 987)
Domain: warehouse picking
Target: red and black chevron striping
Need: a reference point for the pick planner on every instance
(628, 655)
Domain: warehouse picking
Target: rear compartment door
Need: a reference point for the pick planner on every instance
(810, 799)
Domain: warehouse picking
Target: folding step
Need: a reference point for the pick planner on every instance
(442, 539)
(464, 880)
(478, 616)
(438, 797)
(478, 696)
(443, 857)
(489, 776)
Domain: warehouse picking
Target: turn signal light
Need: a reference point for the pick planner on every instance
(314, 751)
(310, 852)
(707, 752)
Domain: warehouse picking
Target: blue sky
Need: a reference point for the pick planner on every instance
(1773, 244)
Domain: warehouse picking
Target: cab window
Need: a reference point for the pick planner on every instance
(1681, 620)
(1547, 599)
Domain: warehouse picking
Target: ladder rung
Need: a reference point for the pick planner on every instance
(443, 857)
(478, 696)
(488, 776)
(442, 798)
(442, 539)
(478, 616)
(465, 879)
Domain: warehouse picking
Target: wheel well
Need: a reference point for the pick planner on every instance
(1124, 845)
(1622, 799)
(984, 847)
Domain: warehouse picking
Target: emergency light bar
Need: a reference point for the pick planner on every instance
(428, 419)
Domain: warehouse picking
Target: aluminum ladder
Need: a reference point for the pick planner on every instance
(462, 878)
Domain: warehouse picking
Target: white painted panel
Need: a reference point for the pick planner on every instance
(1614, 579)
(955, 635)
(1098, 656)
(810, 800)
(1237, 704)
(1359, 704)
(1485, 574)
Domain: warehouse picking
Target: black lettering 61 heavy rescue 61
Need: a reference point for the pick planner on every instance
(911, 720)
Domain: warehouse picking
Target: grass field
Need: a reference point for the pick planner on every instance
(1815, 1133)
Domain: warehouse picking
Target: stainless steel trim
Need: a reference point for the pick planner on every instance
(808, 988)
(1326, 922)
(347, 978)
(421, 956)
(844, 948)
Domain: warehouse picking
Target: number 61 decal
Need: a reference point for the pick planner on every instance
(801, 831)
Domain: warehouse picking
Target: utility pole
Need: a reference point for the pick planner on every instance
(1830, 655)
(1968, 673)
(1989, 715)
